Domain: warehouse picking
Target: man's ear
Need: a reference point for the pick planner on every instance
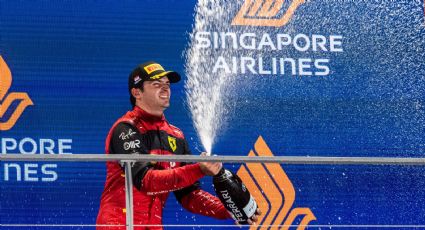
(136, 93)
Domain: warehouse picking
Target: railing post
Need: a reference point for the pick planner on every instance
(128, 195)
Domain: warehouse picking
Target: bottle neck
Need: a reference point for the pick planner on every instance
(220, 173)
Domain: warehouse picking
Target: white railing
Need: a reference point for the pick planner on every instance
(224, 159)
(127, 159)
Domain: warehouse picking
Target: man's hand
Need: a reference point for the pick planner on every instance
(210, 168)
(253, 220)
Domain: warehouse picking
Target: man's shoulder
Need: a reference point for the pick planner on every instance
(128, 118)
(176, 131)
(122, 129)
(126, 121)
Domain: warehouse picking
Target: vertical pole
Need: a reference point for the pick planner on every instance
(128, 195)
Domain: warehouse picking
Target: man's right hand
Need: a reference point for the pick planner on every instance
(210, 168)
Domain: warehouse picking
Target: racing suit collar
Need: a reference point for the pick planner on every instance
(147, 116)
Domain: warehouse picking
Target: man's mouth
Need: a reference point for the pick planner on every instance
(163, 96)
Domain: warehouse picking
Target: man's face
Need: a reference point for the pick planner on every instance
(156, 94)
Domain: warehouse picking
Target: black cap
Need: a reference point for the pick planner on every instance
(148, 71)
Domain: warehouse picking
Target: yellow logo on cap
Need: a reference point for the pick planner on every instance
(173, 143)
(153, 67)
(265, 12)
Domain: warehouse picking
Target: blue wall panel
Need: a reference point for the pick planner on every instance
(72, 58)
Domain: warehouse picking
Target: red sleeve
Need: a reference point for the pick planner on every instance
(160, 181)
(203, 203)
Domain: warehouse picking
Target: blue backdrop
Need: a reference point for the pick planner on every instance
(72, 59)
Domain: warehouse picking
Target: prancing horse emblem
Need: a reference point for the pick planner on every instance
(172, 142)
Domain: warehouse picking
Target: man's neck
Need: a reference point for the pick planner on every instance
(157, 113)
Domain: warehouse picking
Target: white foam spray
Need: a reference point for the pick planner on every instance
(205, 91)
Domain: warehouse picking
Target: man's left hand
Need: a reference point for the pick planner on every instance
(253, 220)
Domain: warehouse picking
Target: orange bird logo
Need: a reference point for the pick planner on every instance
(7, 99)
(274, 192)
(266, 13)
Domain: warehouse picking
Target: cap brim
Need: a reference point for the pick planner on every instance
(172, 76)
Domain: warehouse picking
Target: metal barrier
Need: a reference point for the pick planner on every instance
(127, 160)
(224, 159)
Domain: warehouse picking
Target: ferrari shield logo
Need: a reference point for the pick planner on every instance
(173, 143)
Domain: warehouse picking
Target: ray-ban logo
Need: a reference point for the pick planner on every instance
(266, 13)
(6, 99)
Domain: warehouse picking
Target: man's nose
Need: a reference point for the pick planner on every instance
(165, 86)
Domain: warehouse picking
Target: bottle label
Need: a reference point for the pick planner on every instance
(231, 206)
(250, 208)
(227, 174)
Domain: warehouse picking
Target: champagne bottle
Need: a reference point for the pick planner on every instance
(234, 195)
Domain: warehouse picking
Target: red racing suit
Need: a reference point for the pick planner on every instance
(138, 132)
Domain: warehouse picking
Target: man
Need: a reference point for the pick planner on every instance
(144, 130)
